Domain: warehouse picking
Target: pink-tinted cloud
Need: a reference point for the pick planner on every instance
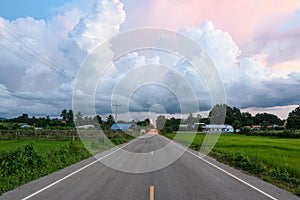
(242, 19)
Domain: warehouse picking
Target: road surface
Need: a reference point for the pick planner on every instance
(188, 177)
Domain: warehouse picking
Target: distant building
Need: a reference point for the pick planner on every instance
(218, 128)
(183, 125)
(255, 127)
(24, 125)
(88, 126)
(259, 127)
(143, 131)
(121, 127)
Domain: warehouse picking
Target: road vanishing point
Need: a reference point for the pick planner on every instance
(188, 177)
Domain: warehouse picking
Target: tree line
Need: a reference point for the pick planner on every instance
(224, 114)
(233, 116)
(67, 120)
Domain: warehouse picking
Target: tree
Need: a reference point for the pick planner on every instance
(47, 121)
(236, 125)
(247, 119)
(160, 122)
(233, 115)
(223, 111)
(64, 114)
(144, 123)
(70, 118)
(173, 124)
(218, 114)
(293, 121)
(24, 118)
(266, 118)
(110, 120)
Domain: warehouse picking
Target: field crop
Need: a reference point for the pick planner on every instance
(24, 160)
(40, 145)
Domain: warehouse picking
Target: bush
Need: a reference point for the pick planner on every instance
(246, 131)
(23, 165)
(297, 192)
(288, 134)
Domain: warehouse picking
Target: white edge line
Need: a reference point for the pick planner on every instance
(226, 172)
(75, 172)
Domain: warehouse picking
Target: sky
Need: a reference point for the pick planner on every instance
(255, 46)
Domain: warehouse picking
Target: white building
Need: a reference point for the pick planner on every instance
(218, 128)
(88, 126)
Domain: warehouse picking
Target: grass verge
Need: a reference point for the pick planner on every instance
(22, 161)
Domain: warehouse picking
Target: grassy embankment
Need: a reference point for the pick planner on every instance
(24, 160)
(275, 160)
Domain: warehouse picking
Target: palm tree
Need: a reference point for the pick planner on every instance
(64, 114)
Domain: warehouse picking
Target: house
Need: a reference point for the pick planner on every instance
(143, 131)
(183, 126)
(255, 127)
(218, 128)
(121, 127)
(88, 126)
(24, 125)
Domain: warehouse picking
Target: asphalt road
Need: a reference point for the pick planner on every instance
(147, 172)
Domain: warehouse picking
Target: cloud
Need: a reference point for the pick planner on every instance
(32, 65)
(248, 83)
(218, 45)
(102, 23)
(40, 58)
(242, 19)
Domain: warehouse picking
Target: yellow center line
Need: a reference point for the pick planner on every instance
(151, 192)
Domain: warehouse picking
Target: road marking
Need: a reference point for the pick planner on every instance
(226, 172)
(151, 192)
(75, 172)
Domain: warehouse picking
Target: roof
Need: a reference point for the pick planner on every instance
(120, 126)
(85, 126)
(218, 126)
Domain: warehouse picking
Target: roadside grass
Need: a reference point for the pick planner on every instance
(22, 161)
(41, 146)
(272, 159)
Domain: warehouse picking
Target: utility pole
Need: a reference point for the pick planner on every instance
(116, 105)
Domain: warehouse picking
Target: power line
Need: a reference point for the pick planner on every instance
(26, 97)
(39, 58)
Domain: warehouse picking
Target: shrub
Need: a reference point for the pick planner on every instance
(246, 131)
(297, 192)
(25, 164)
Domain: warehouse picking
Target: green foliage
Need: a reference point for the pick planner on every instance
(144, 123)
(24, 160)
(265, 119)
(110, 120)
(246, 131)
(221, 112)
(234, 117)
(297, 192)
(4, 126)
(293, 121)
(25, 164)
(273, 133)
